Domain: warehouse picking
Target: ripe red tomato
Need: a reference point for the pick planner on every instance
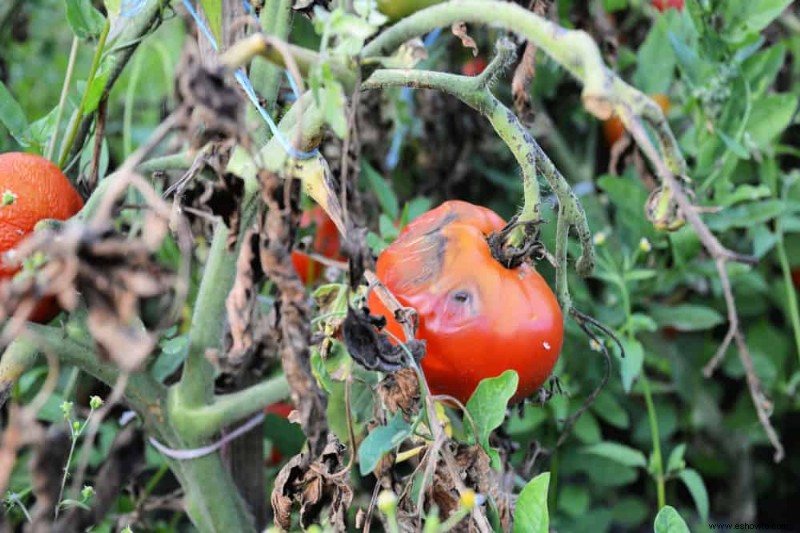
(473, 66)
(663, 5)
(613, 128)
(796, 277)
(326, 243)
(479, 318)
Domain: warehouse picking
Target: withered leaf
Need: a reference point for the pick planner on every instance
(373, 350)
(459, 29)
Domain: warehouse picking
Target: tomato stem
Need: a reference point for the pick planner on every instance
(75, 122)
(658, 462)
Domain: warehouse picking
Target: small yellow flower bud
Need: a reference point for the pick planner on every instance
(387, 502)
(644, 245)
(594, 345)
(599, 238)
(468, 499)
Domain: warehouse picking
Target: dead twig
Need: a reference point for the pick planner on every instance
(721, 257)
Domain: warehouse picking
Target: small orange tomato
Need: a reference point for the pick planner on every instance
(478, 318)
(32, 189)
(613, 129)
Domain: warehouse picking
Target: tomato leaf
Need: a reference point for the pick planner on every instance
(631, 365)
(531, 514)
(84, 19)
(675, 461)
(619, 453)
(383, 191)
(382, 440)
(12, 116)
(697, 489)
(686, 317)
(487, 408)
(669, 521)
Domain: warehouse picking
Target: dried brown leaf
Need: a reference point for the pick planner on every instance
(400, 391)
(459, 29)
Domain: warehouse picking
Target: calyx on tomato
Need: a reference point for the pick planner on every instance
(478, 318)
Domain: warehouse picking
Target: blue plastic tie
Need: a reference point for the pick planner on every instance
(241, 77)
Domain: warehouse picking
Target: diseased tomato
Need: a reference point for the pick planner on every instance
(663, 5)
(613, 129)
(473, 66)
(32, 189)
(479, 318)
(326, 243)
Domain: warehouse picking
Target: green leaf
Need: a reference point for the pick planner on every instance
(656, 60)
(745, 215)
(333, 102)
(697, 489)
(382, 440)
(770, 115)
(587, 430)
(609, 409)
(686, 317)
(619, 453)
(213, 12)
(743, 193)
(487, 406)
(98, 85)
(84, 19)
(631, 364)
(12, 116)
(669, 521)
(675, 461)
(531, 514)
(748, 18)
(382, 189)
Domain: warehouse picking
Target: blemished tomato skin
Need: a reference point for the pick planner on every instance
(478, 318)
(38, 190)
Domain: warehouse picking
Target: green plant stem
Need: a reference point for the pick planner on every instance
(604, 93)
(203, 422)
(126, 35)
(276, 21)
(76, 121)
(196, 386)
(62, 101)
(179, 161)
(143, 393)
(658, 462)
(269, 48)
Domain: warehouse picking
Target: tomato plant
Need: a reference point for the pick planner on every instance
(477, 317)
(32, 189)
